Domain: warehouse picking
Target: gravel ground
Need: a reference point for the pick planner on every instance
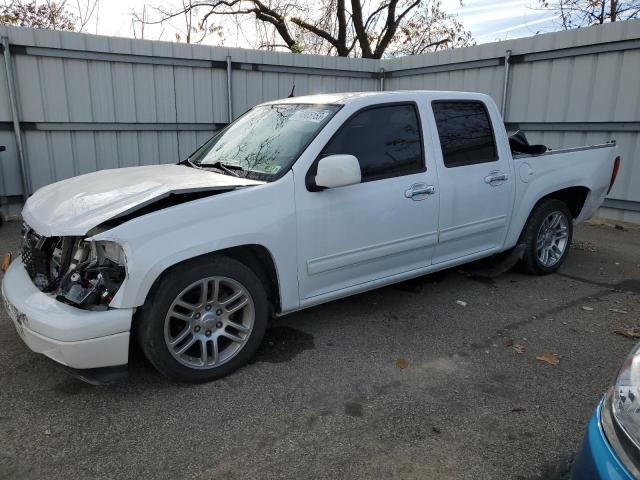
(327, 396)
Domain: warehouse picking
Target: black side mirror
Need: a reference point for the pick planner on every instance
(2, 148)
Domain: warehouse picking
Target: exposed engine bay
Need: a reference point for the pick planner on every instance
(78, 272)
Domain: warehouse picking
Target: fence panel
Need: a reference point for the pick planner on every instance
(89, 102)
(565, 89)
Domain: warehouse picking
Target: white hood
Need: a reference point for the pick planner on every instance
(76, 205)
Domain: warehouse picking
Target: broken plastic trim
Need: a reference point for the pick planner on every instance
(99, 376)
(519, 144)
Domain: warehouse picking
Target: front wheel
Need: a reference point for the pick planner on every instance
(547, 237)
(205, 320)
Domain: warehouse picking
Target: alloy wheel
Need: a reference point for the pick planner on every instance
(552, 240)
(209, 322)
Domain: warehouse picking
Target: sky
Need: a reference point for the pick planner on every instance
(487, 20)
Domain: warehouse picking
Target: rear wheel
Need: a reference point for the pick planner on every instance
(205, 320)
(547, 237)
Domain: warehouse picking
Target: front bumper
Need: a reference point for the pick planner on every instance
(76, 338)
(596, 459)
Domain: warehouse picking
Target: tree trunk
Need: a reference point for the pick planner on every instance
(358, 26)
(613, 12)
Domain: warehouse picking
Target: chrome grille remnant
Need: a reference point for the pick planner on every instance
(37, 257)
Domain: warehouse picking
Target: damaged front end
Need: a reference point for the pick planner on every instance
(82, 273)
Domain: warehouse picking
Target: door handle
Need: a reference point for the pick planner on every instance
(494, 177)
(419, 191)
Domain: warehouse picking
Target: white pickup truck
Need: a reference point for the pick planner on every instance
(298, 202)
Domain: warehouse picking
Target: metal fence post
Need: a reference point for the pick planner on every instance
(229, 97)
(24, 178)
(505, 88)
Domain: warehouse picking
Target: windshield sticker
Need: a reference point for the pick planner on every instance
(315, 116)
(271, 168)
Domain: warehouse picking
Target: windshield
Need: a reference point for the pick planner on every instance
(266, 140)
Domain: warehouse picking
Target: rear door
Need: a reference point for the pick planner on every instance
(475, 180)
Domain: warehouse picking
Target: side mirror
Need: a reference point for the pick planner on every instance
(338, 171)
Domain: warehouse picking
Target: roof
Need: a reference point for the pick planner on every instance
(348, 97)
(323, 98)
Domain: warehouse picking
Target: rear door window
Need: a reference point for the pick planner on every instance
(465, 132)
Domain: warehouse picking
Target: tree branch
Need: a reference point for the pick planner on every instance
(391, 26)
(373, 14)
(358, 26)
(316, 31)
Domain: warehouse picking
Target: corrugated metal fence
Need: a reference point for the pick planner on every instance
(86, 102)
(564, 89)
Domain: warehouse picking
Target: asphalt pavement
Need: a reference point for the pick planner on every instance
(435, 378)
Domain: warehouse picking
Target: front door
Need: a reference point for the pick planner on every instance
(382, 227)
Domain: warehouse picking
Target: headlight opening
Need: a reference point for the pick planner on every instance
(95, 274)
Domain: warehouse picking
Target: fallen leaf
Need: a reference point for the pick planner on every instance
(508, 343)
(435, 430)
(587, 309)
(518, 347)
(402, 363)
(583, 245)
(6, 260)
(627, 332)
(548, 357)
(519, 408)
(618, 310)
(47, 432)
(462, 303)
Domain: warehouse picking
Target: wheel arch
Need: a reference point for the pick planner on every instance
(574, 197)
(257, 257)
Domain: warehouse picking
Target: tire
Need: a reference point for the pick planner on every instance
(165, 317)
(533, 236)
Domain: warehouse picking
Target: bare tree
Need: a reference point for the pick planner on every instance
(363, 28)
(582, 13)
(429, 30)
(49, 14)
(139, 19)
(186, 23)
(86, 10)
